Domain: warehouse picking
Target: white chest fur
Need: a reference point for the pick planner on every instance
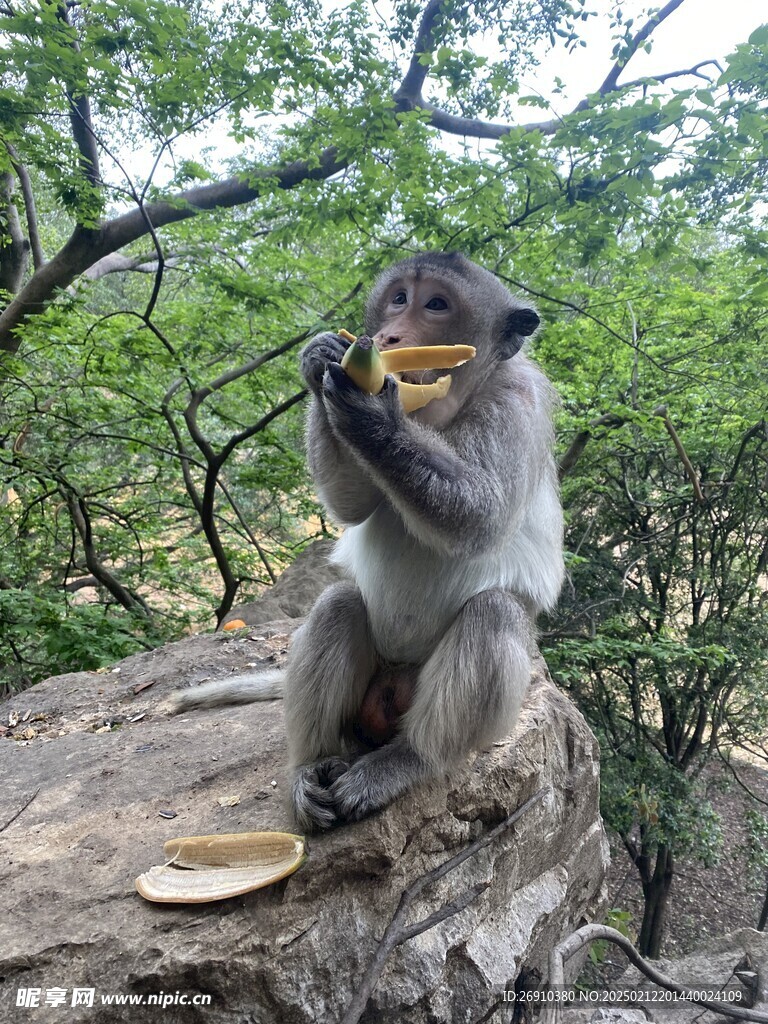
(413, 593)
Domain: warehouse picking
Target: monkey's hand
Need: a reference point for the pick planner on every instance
(316, 356)
(362, 420)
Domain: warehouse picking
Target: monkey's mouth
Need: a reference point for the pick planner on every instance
(421, 376)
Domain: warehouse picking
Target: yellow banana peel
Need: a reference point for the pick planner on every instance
(221, 866)
(367, 367)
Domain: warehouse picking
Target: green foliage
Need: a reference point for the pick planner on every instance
(48, 638)
(660, 633)
(644, 795)
(616, 918)
(757, 843)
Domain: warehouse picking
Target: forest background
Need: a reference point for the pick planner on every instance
(155, 293)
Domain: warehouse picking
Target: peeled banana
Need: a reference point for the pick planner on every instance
(367, 367)
(363, 363)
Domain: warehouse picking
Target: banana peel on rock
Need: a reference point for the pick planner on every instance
(201, 869)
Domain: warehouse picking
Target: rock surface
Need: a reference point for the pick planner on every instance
(735, 964)
(91, 765)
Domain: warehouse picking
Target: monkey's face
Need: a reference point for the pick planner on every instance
(419, 309)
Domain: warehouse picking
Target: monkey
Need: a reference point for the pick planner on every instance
(452, 546)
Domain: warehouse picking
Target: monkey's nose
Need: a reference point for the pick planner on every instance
(390, 341)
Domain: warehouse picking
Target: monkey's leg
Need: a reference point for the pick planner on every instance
(468, 694)
(332, 660)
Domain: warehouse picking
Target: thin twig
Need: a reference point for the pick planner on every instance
(738, 779)
(20, 811)
(687, 464)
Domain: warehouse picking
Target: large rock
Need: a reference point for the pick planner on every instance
(89, 772)
(296, 590)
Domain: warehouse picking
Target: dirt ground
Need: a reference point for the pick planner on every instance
(704, 901)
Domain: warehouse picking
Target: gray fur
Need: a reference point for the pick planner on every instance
(241, 689)
(332, 660)
(453, 544)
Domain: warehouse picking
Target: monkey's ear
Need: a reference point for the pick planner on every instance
(516, 325)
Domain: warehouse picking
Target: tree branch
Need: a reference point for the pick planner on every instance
(453, 124)
(78, 511)
(758, 429)
(610, 82)
(726, 759)
(80, 118)
(30, 209)
(86, 246)
(609, 420)
(409, 96)
(581, 440)
(687, 464)
(693, 72)
(115, 263)
(411, 86)
(588, 934)
(205, 503)
(13, 248)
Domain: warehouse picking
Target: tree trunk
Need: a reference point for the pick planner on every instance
(656, 894)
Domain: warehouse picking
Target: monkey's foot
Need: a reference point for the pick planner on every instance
(375, 780)
(313, 805)
(356, 799)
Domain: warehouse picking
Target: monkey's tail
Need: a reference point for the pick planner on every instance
(243, 689)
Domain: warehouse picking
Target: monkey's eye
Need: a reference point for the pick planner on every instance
(437, 302)
(400, 299)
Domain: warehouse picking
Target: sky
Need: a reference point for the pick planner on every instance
(699, 30)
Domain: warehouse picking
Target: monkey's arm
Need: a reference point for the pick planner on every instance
(455, 493)
(348, 493)
(349, 496)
